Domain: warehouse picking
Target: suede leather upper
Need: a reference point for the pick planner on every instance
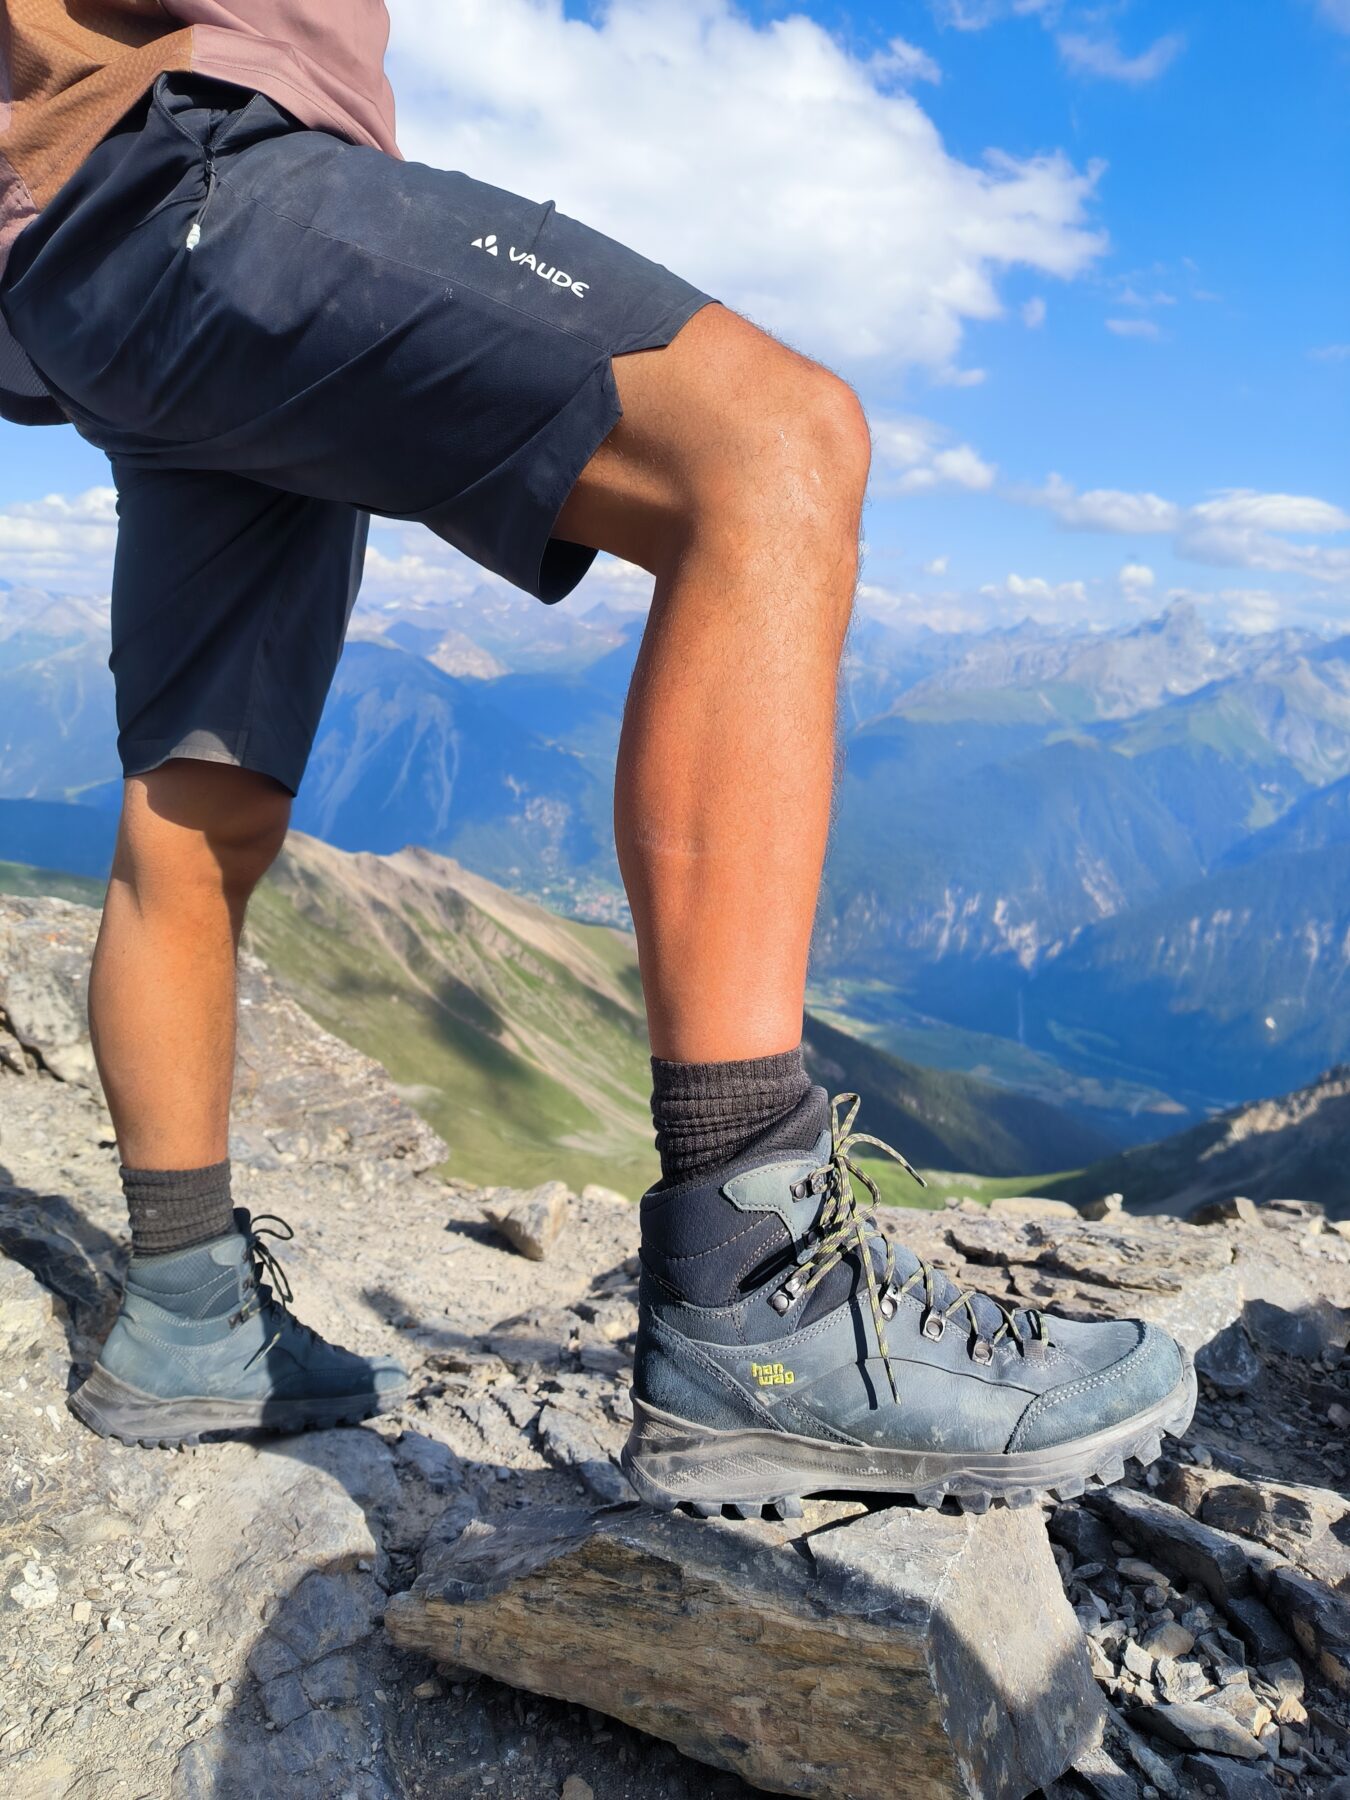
(714, 1349)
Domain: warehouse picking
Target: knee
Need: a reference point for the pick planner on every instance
(794, 449)
(192, 830)
(243, 845)
(836, 434)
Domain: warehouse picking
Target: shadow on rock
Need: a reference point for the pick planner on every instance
(78, 1263)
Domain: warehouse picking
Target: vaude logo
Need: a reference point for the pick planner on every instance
(527, 260)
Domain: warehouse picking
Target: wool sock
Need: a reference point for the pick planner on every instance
(173, 1209)
(707, 1113)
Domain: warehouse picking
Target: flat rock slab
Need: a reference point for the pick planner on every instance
(893, 1652)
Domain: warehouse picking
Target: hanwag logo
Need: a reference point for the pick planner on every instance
(528, 260)
(771, 1375)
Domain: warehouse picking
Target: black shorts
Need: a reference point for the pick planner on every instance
(274, 333)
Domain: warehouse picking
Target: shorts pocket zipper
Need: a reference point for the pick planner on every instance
(194, 236)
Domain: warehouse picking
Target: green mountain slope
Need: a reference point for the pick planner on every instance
(517, 1034)
(520, 1035)
(1297, 1146)
(942, 1120)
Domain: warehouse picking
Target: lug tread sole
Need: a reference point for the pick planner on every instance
(114, 1410)
(971, 1493)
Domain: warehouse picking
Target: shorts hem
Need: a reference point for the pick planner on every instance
(227, 749)
(579, 427)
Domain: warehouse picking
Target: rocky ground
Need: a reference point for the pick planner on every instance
(209, 1622)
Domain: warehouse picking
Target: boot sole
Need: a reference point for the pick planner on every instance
(671, 1463)
(114, 1409)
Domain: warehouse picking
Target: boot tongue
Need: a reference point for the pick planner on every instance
(801, 1129)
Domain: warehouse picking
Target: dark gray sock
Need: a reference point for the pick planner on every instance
(173, 1209)
(706, 1113)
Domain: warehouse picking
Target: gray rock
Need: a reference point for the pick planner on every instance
(25, 1312)
(1288, 1518)
(1181, 1680)
(569, 1441)
(1197, 1725)
(45, 947)
(1304, 1331)
(1263, 1637)
(1235, 1211)
(1228, 1780)
(1168, 1639)
(326, 1612)
(1082, 1533)
(1138, 1661)
(530, 1219)
(335, 1679)
(1229, 1362)
(1196, 1551)
(285, 1699)
(1318, 1619)
(953, 1656)
(1251, 1712)
(431, 1461)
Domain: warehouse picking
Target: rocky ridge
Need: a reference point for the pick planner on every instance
(209, 1623)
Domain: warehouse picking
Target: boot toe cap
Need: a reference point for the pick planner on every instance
(1152, 1367)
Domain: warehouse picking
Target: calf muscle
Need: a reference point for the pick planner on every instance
(195, 838)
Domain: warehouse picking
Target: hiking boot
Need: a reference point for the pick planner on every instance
(203, 1344)
(785, 1347)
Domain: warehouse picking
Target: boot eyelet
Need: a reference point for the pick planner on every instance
(887, 1307)
(780, 1301)
(933, 1325)
(982, 1351)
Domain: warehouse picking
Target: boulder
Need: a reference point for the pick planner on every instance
(1198, 1725)
(871, 1654)
(1229, 1362)
(531, 1219)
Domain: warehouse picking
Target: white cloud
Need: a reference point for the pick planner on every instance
(1108, 509)
(1336, 13)
(1237, 528)
(1095, 53)
(914, 455)
(1033, 313)
(1133, 328)
(63, 539)
(1242, 529)
(936, 565)
(901, 61)
(1083, 44)
(1137, 582)
(974, 15)
(767, 162)
(1331, 352)
(1037, 598)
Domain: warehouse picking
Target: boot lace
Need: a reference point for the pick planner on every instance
(266, 1288)
(842, 1228)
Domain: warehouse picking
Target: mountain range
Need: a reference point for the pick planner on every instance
(1105, 868)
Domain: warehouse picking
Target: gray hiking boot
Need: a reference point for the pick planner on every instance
(785, 1348)
(203, 1344)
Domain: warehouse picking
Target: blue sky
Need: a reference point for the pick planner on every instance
(1086, 264)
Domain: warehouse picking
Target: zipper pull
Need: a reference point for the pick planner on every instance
(194, 236)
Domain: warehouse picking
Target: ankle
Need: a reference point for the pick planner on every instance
(709, 1113)
(177, 1209)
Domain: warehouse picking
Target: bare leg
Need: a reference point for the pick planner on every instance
(195, 839)
(736, 477)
